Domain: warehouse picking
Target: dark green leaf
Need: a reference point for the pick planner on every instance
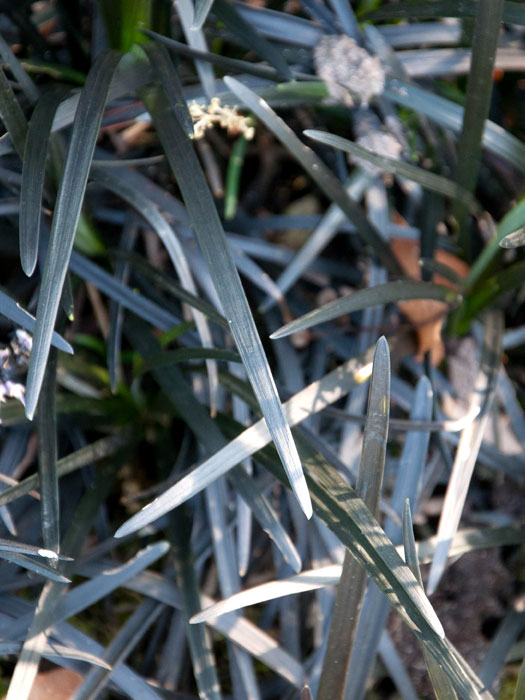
(387, 293)
(66, 216)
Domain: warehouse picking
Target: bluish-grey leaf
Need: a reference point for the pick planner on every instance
(66, 215)
(223, 272)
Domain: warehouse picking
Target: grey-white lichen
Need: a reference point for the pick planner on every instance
(351, 74)
(380, 142)
(207, 116)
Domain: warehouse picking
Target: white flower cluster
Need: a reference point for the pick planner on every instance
(349, 71)
(206, 116)
(14, 359)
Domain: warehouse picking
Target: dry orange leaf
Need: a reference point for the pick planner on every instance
(426, 315)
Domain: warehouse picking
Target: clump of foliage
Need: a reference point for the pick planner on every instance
(244, 252)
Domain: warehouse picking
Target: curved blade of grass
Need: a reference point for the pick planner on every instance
(479, 90)
(428, 180)
(450, 115)
(513, 12)
(129, 298)
(34, 565)
(341, 516)
(443, 688)
(120, 647)
(47, 456)
(165, 232)
(375, 610)
(33, 175)
(66, 215)
(244, 633)
(235, 22)
(215, 248)
(387, 293)
(351, 588)
(305, 403)
(27, 86)
(225, 62)
(13, 311)
(211, 437)
(12, 115)
(469, 444)
(464, 541)
(316, 169)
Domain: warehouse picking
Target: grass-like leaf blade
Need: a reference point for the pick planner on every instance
(443, 688)
(33, 175)
(469, 444)
(428, 180)
(316, 169)
(235, 22)
(306, 402)
(387, 293)
(13, 311)
(47, 456)
(351, 588)
(66, 215)
(12, 115)
(479, 90)
(215, 248)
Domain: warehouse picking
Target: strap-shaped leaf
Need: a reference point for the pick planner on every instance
(351, 589)
(12, 115)
(121, 646)
(153, 216)
(33, 175)
(428, 180)
(13, 311)
(479, 91)
(387, 293)
(316, 169)
(47, 456)
(310, 400)
(223, 272)
(208, 433)
(450, 115)
(235, 22)
(66, 215)
(443, 688)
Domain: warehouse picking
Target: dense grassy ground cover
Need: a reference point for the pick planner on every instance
(262, 356)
